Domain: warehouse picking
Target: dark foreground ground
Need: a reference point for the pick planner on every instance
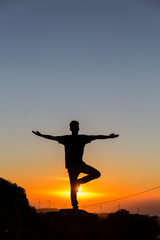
(19, 221)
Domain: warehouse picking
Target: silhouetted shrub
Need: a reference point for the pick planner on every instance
(16, 216)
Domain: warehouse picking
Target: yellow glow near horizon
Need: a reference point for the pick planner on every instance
(81, 193)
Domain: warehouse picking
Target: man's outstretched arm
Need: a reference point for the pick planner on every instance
(45, 136)
(112, 135)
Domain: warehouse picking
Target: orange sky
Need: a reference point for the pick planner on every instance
(45, 178)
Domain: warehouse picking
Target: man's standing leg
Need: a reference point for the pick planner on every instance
(73, 175)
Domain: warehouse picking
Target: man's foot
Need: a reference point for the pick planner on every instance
(75, 207)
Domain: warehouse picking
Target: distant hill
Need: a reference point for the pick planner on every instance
(103, 215)
(45, 210)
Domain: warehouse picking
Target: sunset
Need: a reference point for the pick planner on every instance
(94, 62)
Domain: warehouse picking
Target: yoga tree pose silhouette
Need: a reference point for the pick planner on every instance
(74, 147)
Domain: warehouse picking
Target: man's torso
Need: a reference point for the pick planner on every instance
(74, 148)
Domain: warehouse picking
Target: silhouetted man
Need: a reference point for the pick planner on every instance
(74, 147)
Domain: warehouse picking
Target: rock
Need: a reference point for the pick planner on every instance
(69, 224)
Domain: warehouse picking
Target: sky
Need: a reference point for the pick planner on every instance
(97, 62)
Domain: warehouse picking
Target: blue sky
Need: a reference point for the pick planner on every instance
(69, 59)
(83, 53)
(94, 61)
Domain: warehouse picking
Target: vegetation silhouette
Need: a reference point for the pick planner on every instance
(20, 221)
(17, 217)
(74, 147)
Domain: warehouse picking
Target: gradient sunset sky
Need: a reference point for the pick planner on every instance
(95, 61)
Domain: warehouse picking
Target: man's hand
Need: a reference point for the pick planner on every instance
(37, 133)
(113, 135)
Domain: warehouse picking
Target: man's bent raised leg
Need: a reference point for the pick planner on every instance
(92, 173)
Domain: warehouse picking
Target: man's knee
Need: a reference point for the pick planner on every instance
(97, 174)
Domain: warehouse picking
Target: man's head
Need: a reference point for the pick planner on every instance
(74, 127)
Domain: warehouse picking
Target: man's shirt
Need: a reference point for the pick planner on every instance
(74, 148)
